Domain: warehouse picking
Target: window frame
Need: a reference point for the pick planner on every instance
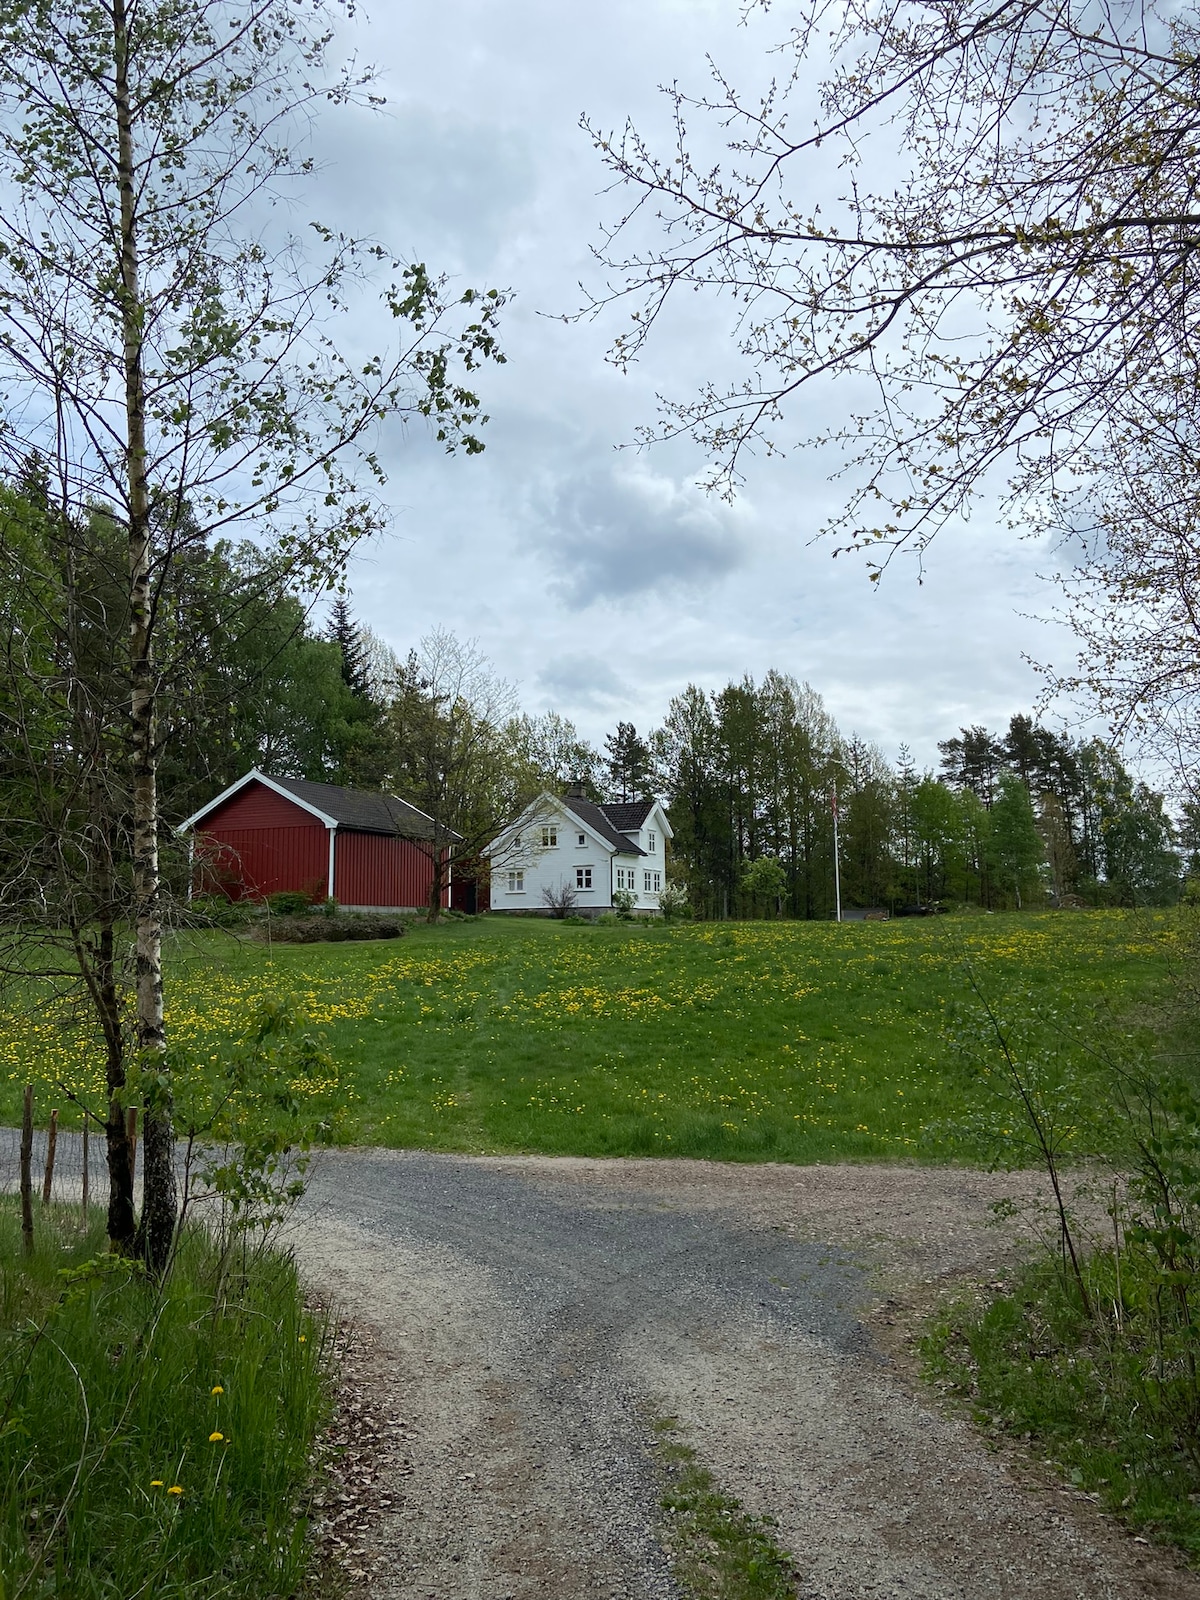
(516, 880)
(583, 877)
(549, 835)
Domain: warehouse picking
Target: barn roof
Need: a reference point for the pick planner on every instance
(359, 809)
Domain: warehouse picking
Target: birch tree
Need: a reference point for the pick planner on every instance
(984, 215)
(166, 347)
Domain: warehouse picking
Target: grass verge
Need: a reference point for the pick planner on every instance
(1111, 1406)
(718, 1550)
(153, 1440)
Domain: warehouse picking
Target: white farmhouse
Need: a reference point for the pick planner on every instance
(569, 842)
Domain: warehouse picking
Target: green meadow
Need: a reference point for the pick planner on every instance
(740, 1041)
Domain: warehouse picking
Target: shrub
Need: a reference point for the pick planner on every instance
(322, 929)
(561, 901)
(674, 904)
(215, 911)
(624, 901)
(289, 903)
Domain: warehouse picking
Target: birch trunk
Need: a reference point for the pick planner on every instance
(156, 1230)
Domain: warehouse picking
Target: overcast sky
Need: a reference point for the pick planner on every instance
(599, 578)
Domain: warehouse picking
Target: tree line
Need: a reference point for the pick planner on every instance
(750, 773)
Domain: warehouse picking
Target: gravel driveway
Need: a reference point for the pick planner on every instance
(525, 1320)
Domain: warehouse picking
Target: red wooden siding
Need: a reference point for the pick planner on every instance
(374, 870)
(256, 806)
(260, 842)
(251, 862)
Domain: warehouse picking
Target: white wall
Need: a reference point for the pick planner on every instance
(543, 866)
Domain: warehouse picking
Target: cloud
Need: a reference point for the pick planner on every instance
(582, 680)
(616, 532)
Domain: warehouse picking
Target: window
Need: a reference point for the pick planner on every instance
(549, 838)
(517, 841)
(581, 838)
(651, 837)
(516, 883)
(625, 879)
(583, 877)
(651, 882)
(657, 882)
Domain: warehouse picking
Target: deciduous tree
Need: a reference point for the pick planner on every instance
(165, 348)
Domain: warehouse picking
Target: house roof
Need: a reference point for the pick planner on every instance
(627, 815)
(596, 818)
(336, 807)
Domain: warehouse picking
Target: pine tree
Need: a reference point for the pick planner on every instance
(628, 767)
(346, 634)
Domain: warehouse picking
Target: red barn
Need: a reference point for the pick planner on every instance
(366, 851)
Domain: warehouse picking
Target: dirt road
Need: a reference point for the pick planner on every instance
(527, 1320)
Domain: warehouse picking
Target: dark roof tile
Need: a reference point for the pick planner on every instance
(627, 815)
(595, 818)
(361, 810)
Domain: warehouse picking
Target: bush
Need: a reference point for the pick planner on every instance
(560, 902)
(192, 1408)
(624, 901)
(322, 929)
(215, 911)
(674, 904)
(289, 903)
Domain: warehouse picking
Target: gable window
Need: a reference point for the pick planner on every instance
(581, 838)
(583, 877)
(549, 838)
(650, 838)
(516, 883)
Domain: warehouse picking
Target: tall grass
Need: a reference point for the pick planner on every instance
(1093, 1353)
(154, 1439)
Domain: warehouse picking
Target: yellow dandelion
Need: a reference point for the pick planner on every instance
(176, 1488)
(215, 1438)
(217, 1389)
(156, 1483)
(303, 1338)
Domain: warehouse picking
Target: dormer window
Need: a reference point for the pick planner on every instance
(651, 837)
(549, 838)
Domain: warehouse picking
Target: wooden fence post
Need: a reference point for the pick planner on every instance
(86, 1126)
(51, 1146)
(27, 1171)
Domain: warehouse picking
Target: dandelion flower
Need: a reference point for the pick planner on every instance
(176, 1488)
(215, 1438)
(217, 1389)
(156, 1483)
(303, 1338)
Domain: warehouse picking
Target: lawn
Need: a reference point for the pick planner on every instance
(750, 1041)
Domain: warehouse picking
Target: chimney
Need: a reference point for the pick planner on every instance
(576, 790)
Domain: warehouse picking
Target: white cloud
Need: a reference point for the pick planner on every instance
(605, 581)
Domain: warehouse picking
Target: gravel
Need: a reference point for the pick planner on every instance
(524, 1321)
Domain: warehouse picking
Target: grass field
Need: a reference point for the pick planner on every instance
(749, 1041)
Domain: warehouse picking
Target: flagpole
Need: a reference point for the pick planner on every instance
(837, 866)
